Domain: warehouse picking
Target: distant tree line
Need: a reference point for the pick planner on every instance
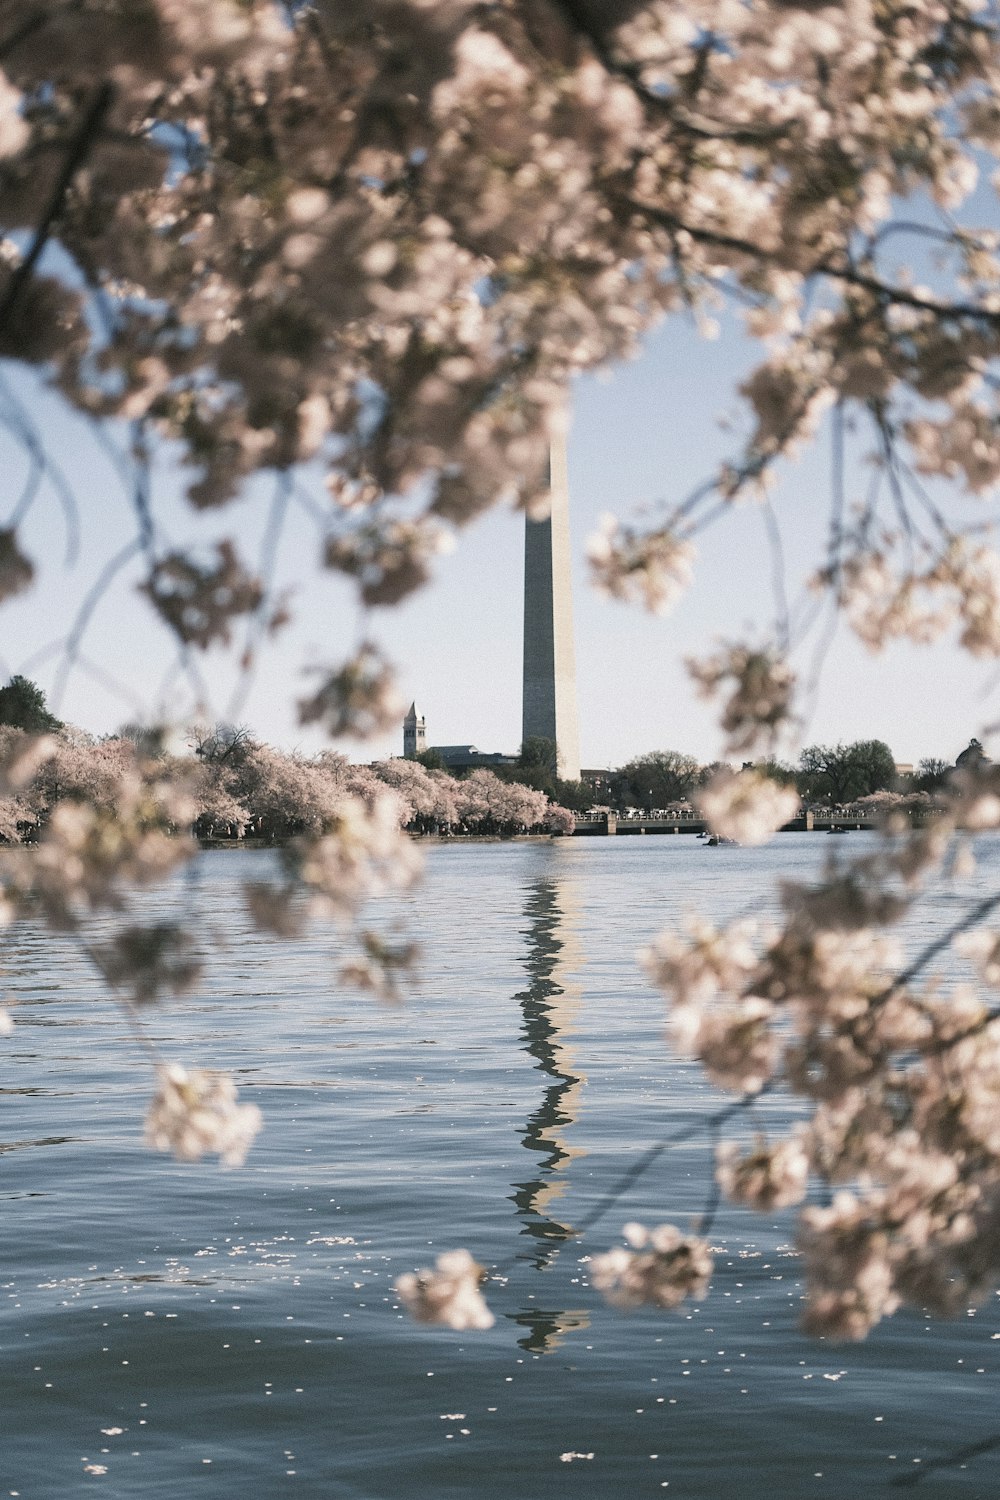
(239, 787)
(242, 787)
(825, 774)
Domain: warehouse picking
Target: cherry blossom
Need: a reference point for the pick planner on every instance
(747, 806)
(196, 1114)
(760, 698)
(448, 1294)
(653, 569)
(358, 699)
(766, 1178)
(663, 1267)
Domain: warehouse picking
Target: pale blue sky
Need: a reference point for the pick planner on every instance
(646, 434)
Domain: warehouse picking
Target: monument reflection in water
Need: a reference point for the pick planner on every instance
(549, 1006)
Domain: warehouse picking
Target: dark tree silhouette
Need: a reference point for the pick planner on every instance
(23, 706)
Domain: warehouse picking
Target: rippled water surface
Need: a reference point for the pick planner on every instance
(173, 1330)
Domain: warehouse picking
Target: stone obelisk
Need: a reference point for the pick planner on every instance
(549, 703)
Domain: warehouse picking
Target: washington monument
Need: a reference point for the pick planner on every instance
(549, 702)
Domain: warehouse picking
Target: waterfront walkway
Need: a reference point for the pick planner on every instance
(681, 820)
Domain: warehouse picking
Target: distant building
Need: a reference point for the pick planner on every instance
(452, 757)
(468, 758)
(414, 734)
(973, 755)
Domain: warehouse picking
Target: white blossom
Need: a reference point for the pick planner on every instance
(759, 701)
(448, 1294)
(14, 129)
(734, 1043)
(849, 1253)
(747, 806)
(358, 699)
(881, 607)
(663, 1267)
(765, 1178)
(653, 568)
(982, 948)
(196, 1114)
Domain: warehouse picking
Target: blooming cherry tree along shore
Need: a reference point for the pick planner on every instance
(383, 236)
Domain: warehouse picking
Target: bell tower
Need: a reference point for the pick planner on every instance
(414, 734)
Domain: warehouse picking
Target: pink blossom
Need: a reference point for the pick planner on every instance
(664, 1267)
(196, 1114)
(448, 1294)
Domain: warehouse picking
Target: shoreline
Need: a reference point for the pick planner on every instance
(418, 838)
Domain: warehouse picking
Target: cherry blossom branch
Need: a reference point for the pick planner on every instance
(29, 492)
(79, 149)
(683, 120)
(972, 918)
(714, 1188)
(889, 457)
(648, 1158)
(913, 1477)
(844, 270)
(124, 1004)
(911, 481)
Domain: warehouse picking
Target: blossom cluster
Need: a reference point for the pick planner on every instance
(958, 588)
(357, 699)
(384, 236)
(759, 685)
(746, 806)
(898, 1072)
(196, 1114)
(663, 1267)
(653, 569)
(448, 1294)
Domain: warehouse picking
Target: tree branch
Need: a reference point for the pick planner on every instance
(837, 271)
(972, 918)
(79, 150)
(581, 20)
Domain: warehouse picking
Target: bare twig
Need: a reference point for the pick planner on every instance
(24, 429)
(646, 1160)
(85, 614)
(927, 955)
(258, 620)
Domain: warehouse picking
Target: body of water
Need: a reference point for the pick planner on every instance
(173, 1330)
